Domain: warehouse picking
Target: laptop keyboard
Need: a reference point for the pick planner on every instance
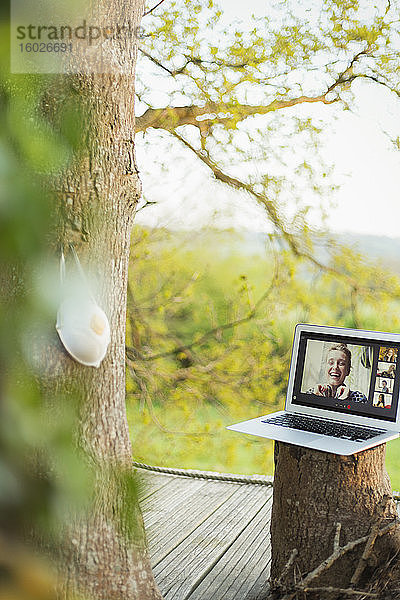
(324, 427)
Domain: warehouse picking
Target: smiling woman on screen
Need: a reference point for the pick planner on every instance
(337, 368)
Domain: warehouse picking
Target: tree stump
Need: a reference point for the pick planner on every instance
(315, 491)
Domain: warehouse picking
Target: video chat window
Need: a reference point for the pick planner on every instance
(387, 354)
(338, 371)
(385, 375)
(356, 378)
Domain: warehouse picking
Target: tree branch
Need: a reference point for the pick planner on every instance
(215, 112)
(130, 352)
(347, 76)
(147, 203)
(148, 12)
(156, 62)
(336, 554)
(270, 209)
(171, 117)
(370, 542)
(288, 565)
(343, 591)
(336, 541)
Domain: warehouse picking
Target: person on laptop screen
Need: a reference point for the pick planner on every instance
(337, 368)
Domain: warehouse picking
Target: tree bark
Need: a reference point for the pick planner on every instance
(313, 492)
(103, 557)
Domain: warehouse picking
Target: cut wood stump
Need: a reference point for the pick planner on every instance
(321, 503)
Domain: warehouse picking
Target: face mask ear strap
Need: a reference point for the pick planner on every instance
(62, 267)
(81, 271)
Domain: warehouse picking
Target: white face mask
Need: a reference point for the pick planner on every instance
(82, 325)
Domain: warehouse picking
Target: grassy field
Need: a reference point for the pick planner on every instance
(393, 463)
(197, 439)
(202, 357)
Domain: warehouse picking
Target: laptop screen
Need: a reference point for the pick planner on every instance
(348, 374)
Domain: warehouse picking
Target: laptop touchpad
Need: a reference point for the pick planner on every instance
(299, 437)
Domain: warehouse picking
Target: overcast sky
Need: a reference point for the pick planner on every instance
(366, 164)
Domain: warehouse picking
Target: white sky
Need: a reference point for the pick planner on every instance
(366, 164)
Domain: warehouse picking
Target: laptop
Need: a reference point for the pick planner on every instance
(343, 392)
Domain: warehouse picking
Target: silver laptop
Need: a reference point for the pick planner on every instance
(343, 392)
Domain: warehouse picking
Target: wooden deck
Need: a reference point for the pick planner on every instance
(208, 539)
(209, 536)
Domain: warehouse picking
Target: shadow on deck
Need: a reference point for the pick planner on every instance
(208, 534)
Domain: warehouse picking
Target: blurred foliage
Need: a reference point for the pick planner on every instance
(46, 482)
(42, 477)
(209, 339)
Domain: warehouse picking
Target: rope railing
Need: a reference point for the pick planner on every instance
(214, 476)
(209, 475)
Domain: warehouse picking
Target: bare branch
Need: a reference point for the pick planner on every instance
(288, 565)
(376, 79)
(147, 203)
(347, 76)
(327, 563)
(148, 12)
(336, 541)
(269, 207)
(215, 330)
(159, 64)
(304, 586)
(150, 406)
(156, 62)
(343, 591)
(370, 542)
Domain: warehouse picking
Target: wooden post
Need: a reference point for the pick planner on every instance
(313, 493)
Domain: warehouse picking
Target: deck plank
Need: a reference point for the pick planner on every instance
(177, 503)
(243, 563)
(161, 501)
(187, 565)
(189, 519)
(150, 483)
(259, 590)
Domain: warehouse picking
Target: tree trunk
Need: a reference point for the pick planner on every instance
(314, 492)
(104, 558)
